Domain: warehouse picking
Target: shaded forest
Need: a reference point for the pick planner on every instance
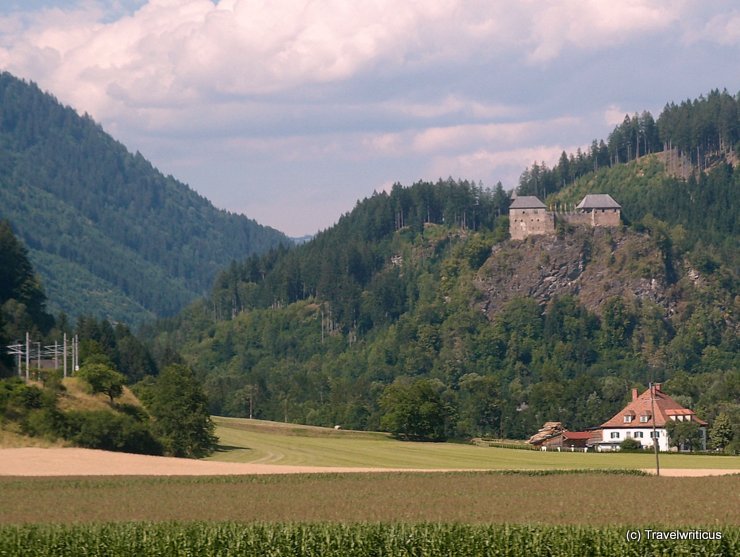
(109, 233)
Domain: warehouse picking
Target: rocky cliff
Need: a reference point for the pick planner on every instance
(593, 264)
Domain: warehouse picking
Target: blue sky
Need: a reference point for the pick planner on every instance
(290, 111)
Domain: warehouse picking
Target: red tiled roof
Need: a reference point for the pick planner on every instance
(678, 412)
(665, 407)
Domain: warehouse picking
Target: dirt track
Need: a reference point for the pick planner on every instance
(88, 462)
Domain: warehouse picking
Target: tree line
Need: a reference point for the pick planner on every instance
(701, 130)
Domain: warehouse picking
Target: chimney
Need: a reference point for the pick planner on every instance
(634, 394)
(658, 388)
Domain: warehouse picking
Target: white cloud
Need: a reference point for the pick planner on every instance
(721, 29)
(490, 166)
(614, 115)
(504, 135)
(594, 24)
(189, 51)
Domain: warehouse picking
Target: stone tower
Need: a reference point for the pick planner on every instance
(529, 216)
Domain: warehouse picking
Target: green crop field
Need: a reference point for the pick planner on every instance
(245, 440)
(355, 540)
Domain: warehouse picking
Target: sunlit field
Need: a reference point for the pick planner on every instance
(469, 497)
(245, 440)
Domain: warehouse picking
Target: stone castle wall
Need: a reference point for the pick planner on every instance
(593, 217)
(530, 222)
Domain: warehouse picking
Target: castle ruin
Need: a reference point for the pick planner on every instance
(528, 216)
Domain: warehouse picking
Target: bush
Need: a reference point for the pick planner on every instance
(103, 379)
(45, 422)
(17, 399)
(105, 430)
(630, 444)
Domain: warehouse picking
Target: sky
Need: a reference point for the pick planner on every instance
(291, 111)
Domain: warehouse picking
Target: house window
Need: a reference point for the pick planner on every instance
(655, 434)
(638, 434)
(628, 419)
(615, 435)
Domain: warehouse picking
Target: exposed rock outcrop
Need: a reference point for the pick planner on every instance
(594, 264)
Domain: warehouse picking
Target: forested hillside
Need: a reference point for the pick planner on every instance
(109, 234)
(417, 315)
(688, 179)
(93, 409)
(22, 300)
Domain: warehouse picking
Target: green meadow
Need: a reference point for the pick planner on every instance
(243, 440)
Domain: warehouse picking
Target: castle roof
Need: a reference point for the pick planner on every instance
(598, 201)
(665, 409)
(527, 202)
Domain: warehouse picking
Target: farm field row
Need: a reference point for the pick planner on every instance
(352, 540)
(589, 498)
(244, 440)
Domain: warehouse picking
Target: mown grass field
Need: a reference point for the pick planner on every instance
(245, 440)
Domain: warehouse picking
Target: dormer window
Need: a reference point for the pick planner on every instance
(644, 419)
(628, 419)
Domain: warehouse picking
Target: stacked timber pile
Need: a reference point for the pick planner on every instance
(547, 431)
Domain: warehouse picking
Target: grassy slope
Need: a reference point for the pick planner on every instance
(243, 440)
(74, 397)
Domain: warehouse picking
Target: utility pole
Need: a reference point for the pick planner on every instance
(65, 355)
(28, 354)
(76, 354)
(655, 435)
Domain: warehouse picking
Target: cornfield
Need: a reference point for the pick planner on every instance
(348, 540)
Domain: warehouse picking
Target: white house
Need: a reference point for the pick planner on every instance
(636, 421)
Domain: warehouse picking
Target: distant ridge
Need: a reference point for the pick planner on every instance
(109, 233)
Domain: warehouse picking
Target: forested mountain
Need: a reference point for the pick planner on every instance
(109, 234)
(22, 300)
(417, 302)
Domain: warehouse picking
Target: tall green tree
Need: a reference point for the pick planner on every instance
(180, 409)
(685, 435)
(722, 433)
(414, 410)
(22, 300)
